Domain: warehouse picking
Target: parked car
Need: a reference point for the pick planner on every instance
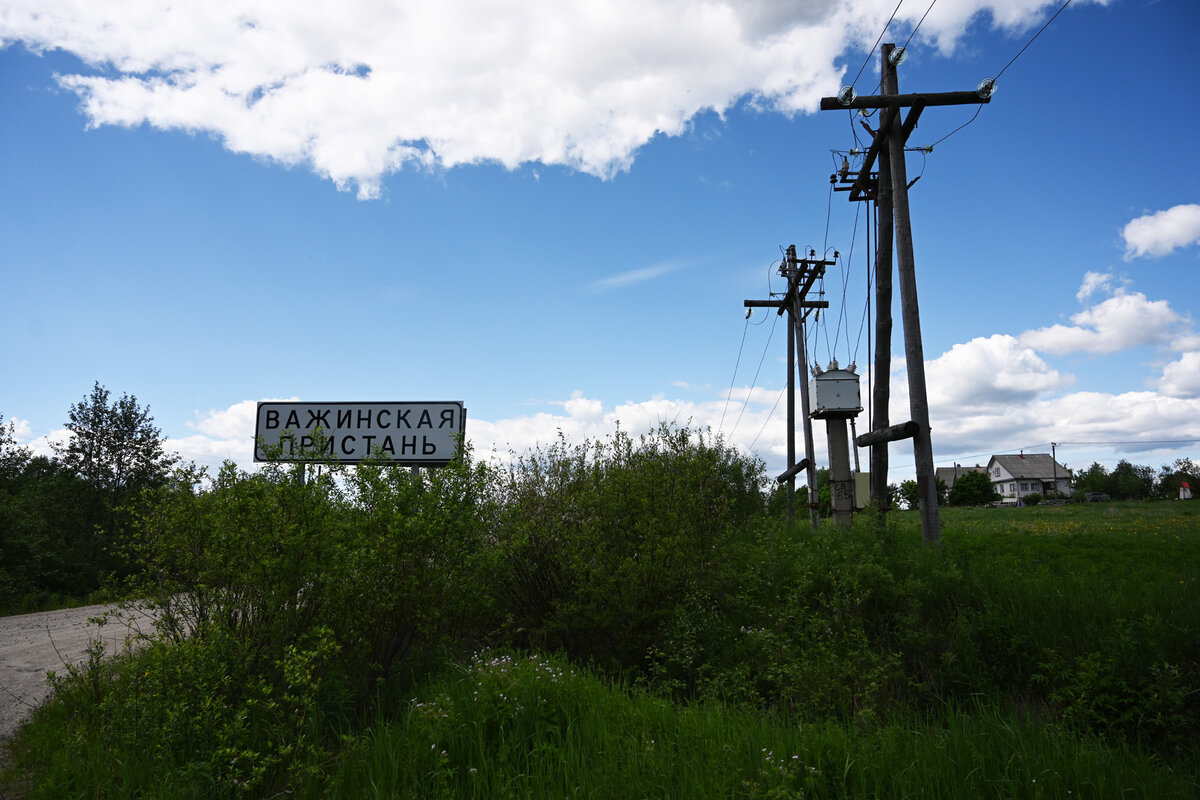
(1096, 497)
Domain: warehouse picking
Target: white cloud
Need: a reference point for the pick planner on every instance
(1127, 417)
(1123, 321)
(1094, 282)
(986, 373)
(633, 276)
(19, 428)
(1162, 232)
(235, 422)
(362, 88)
(581, 408)
(1182, 378)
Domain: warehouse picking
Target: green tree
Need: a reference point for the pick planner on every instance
(911, 496)
(1172, 476)
(114, 446)
(1132, 482)
(973, 489)
(13, 457)
(117, 452)
(1093, 479)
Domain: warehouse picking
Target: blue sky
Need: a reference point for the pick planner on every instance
(553, 212)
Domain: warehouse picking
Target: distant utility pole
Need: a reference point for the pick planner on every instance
(890, 191)
(801, 274)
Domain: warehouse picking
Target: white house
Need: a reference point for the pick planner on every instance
(1035, 473)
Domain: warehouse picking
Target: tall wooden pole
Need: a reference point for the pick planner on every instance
(811, 471)
(791, 416)
(918, 402)
(882, 391)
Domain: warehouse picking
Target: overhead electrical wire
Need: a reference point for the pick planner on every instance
(768, 419)
(733, 380)
(862, 325)
(741, 349)
(919, 22)
(845, 265)
(1002, 71)
(754, 380)
(867, 60)
(1035, 36)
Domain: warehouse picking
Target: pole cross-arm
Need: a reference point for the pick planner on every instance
(905, 100)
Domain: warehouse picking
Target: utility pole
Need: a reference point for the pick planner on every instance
(801, 274)
(791, 415)
(888, 146)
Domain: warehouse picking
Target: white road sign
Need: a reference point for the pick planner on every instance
(411, 433)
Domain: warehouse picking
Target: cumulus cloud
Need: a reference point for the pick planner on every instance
(362, 88)
(1145, 417)
(1123, 321)
(1158, 234)
(1182, 378)
(1094, 282)
(235, 422)
(581, 408)
(20, 429)
(987, 373)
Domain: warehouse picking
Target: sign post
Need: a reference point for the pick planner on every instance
(413, 434)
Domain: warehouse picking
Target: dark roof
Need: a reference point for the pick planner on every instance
(951, 474)
(1038, 466)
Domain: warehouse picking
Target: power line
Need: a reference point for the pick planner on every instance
(733, 380)
(914, 30)
(867, 60)
(1035, 36)
(1001, 72)
(956, 130)
(754, 380)
(1137, 441)
(768, 419)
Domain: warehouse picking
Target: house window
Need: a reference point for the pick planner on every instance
(1012, 488)
(996, 472)
(1024, 487)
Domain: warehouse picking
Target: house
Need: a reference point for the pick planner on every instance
(948, 475)
(1035, 473)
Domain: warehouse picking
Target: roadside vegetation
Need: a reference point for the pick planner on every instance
(624, 618)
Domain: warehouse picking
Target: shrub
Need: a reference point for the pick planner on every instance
(284, 606)
(600, 541)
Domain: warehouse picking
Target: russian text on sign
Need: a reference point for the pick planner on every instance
(424, 433)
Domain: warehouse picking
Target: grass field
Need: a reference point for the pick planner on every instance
(1043, 652)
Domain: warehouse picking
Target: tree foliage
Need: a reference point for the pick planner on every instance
(973, 489)
(1127, 481)
(63, 518)
(910, 493)
(114, 446)
(1172, 476)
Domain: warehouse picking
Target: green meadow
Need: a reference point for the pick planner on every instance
(626, 618)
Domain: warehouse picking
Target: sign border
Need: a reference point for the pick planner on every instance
(402, 461)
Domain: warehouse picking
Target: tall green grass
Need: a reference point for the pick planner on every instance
(317, 640)
(536, 727)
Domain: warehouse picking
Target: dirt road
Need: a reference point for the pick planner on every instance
(32, 644)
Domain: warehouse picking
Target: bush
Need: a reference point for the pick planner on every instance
(600, 541)
(285, 606)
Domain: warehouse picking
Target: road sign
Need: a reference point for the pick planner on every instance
(408, 433)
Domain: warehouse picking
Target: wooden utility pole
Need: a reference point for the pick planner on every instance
(888, 147)
(791, 415)
(801, 274)
(882, 391)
